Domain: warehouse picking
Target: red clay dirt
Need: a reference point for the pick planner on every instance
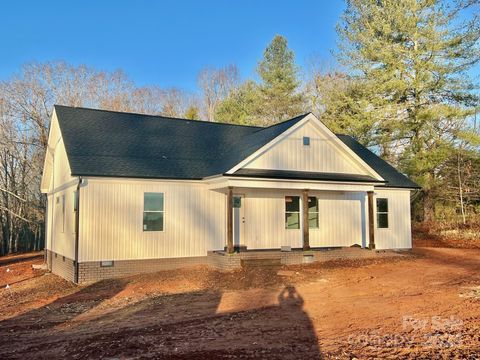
(423, 305)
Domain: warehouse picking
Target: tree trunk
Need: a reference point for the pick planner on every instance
(428, 207)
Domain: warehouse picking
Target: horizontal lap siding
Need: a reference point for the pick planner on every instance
(112, 220)
(398, 235)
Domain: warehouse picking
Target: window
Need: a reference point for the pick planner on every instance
(313, 213)
(292, 212)
(382, 213)
(306, 141)
(153, 212)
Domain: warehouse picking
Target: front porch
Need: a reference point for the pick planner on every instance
(222, 260)
(263, 214)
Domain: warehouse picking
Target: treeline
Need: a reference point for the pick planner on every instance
(403, 86)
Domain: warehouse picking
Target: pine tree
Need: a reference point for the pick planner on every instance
(280, 98)
(241, 106)
(413, 56)
(192, 113)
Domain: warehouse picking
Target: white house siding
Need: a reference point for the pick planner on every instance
(111, 220)
(60, 237)
(341, 219)
(398, 235)
(322, 155)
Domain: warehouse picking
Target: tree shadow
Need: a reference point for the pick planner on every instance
(62, 309)
(180, 326)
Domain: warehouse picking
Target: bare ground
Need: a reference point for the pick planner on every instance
(423, 305)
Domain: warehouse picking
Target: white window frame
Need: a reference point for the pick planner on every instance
(314, 212)
(154, 211)
(383, 213)
(299, 212)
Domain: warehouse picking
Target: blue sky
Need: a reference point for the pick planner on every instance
(162, 42)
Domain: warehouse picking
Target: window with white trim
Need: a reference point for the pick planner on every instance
(153, 211)
(382, 213)
(292, 212)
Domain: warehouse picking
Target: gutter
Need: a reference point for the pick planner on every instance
(77, 232)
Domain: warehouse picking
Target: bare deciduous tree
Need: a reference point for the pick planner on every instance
(215, 85)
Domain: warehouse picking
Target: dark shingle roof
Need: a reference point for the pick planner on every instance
(391, 175)
(107, 143)
(116, 144)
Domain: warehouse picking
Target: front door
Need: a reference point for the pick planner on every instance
(238, 219)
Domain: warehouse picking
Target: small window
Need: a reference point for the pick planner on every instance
(382, 213)
(292, 212)
(106, 263)
(313, 213)
(153, 212)
(306, 141)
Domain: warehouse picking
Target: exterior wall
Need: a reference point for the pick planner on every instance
(60, 229)
(322, 155)
(398, 235)
(111, 220)
(61, 265)
(342, 219)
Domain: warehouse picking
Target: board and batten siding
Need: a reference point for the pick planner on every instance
(111, 220)
(341, 220)
(398, 235)
(322, 155)
(60, 231)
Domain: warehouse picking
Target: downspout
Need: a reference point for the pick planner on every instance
(77, 232)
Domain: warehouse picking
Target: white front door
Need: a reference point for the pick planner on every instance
(238, 219)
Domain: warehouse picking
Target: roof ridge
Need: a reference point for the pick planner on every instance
(160, 116)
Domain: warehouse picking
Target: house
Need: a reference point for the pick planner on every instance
(130, 192)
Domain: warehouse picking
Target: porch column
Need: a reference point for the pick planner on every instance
(371, 221)
(306, 233)
(230, 220)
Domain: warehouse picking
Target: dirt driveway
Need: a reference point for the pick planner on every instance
(425, 305)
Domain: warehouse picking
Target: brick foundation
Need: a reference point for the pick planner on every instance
(94, 271)
(225, 262)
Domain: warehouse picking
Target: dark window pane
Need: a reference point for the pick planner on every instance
(292, 203)
(152, 221)
(312, 204)
(306, 140)
(382, 205)
(237, 201)
(313, 220)
(382, 220)
(292, 221)
(153, 202)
